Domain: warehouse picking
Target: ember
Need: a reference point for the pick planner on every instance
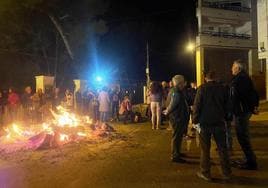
(63, 128)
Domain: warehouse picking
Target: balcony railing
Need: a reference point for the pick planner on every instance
(226, 35)
(225, 6)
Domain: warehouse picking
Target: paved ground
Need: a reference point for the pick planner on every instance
(140, 157)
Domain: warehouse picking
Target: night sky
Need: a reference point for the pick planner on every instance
(167, 26)
(106, 36)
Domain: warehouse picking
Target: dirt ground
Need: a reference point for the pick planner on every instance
(136, 157)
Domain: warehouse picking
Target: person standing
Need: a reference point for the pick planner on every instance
(169, 128)
(229, 119)
(209, 110)
(69, 100)
(156, 96)
(2, 108)
(27, 104)
(245, 102)
(104, 104)
(13, 104)
(191, 93)
(165, 90)
(115, 104)
(38, 100)
(178, 112)
(94, 106)
(87, 99)
(56, 98)
(78, 101)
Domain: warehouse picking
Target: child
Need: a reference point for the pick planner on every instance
(126, 109)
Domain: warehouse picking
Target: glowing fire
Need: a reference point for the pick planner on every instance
(15, 131)
(65, 118)
(81, 134)
(46, 127)
(64, 137)
(62, 128)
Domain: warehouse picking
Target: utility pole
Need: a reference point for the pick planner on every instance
(147, 66)
(147, 71)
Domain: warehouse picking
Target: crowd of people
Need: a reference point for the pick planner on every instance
(212, 109)
(102, 105)
(159, 96)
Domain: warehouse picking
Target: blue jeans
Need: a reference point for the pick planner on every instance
(242, 132)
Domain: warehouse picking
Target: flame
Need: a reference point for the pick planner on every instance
(16, 129)
(64, 137)
(88, 120)
(13, 131)
(81, 134)
(64, 124)
(8, 136)
(48, 128)
(65, 118)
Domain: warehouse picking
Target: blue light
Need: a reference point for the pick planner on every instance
(99, 79)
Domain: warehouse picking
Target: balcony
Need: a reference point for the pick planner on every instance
(222, 16)
(225, 5)
(225, 40)
(226, 35)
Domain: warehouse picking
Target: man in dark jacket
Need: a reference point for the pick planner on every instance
(245, 102)
(178, 112)
(209, 110)
(27, 103)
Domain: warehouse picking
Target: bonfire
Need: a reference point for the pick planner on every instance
(64, 127)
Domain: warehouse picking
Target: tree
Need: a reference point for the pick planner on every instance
(52, 29)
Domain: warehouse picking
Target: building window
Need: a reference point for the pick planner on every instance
(263, 65)
(262, 46)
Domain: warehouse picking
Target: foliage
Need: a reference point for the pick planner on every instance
(26, 29)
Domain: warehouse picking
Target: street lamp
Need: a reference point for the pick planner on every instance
(190, 47)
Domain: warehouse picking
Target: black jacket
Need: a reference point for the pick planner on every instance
(178, 109)
(244, 96)
(211, 104)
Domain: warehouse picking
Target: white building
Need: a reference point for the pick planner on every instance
(262, 8)
(227, 31)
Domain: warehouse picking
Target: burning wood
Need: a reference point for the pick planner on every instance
(63, 128)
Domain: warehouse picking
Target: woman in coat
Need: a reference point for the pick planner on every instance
(104, 104)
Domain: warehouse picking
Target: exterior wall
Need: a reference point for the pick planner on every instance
(44, 82)
(266, 85)
(80, 85)
(262, 7)
(254, 65)
(227, 35)
(226, 15)
(213, 41)
(221, 61)
(199, 65)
